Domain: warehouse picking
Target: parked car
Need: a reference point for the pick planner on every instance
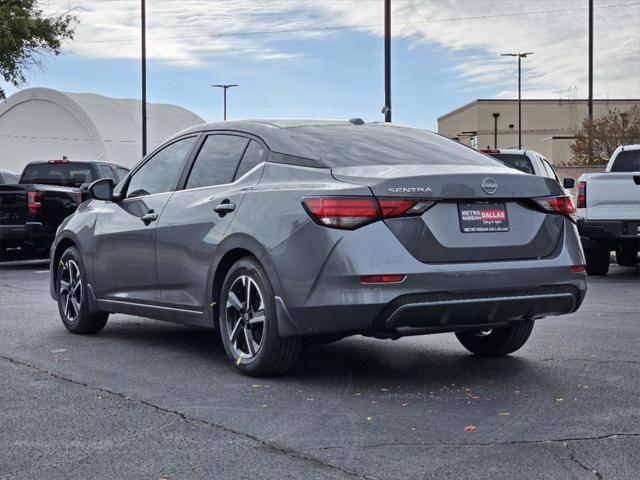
(7, 177)
(529, 161)
(272, 231)
(609, 211)
(47, 192)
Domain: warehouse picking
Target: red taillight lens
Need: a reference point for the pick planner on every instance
(578, 269)
(79, 198)
(563, 205)
(582, 194)
(34, 202)
(353, 212)
(396, 207)
(342, 212)
(382, 278)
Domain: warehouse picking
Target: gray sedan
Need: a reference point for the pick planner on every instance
(277, 232)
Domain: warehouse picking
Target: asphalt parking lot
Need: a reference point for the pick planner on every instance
(146, 399)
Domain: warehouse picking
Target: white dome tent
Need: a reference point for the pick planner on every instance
(43, 124)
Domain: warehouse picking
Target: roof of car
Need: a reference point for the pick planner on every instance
(52, 160)
(280, 134)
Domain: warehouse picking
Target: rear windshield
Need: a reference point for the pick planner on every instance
(339, 146)
(515, 160)
(628, 161)
(64, 174)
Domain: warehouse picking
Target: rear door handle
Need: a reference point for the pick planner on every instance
(149, 217)
(225, 208)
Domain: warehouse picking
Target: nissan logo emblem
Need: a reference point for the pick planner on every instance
(489, 185)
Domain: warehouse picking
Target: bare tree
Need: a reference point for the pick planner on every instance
(607, 133)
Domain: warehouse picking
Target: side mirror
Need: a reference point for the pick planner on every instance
(568, 182)
(101, 189)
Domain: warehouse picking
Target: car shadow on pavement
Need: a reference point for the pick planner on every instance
(24, 265)
(416, 361)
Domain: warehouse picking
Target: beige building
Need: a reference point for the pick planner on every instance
(548, 126)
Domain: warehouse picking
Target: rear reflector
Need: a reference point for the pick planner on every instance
(582, 194)
(562, 205)
(578, 269)
(34, 202)
(353, 212)
(382, 278)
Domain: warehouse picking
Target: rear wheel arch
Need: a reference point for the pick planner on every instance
(229, 252)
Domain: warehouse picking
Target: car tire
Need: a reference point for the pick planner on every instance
(73, 296)
(598, 259)
(498, 341)
(627, 257)
(248, 323)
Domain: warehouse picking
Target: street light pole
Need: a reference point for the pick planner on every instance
(590, 80)
(143, 21)
(387, 61)
(495, 130)
(225, 87)
(520, 57)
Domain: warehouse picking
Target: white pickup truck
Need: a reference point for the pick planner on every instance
(609, 211)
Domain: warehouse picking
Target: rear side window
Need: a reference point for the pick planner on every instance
(252, 157)
(70, 174)
(217, 161)
(160, 173)
(628, 161)
(517, 161)
(106, 172)
(121, 173)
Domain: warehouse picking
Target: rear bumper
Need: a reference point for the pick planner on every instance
(30, 234)
(432, 298)
(612, 231)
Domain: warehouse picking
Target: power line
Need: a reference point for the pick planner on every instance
(350, 27)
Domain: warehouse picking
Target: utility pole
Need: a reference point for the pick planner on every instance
(225, 87)
(495, 130)
(590, 79)
(520, 57)
(387, 61)
(143, 18)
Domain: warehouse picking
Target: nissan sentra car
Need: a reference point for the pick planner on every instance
(278, 231)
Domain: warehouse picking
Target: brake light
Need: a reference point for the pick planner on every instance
(58, 161)
(562, 205)
(354, 212)
(382, 278)
(582, 194)
(34, 203)
(490, 150)
(79, 199)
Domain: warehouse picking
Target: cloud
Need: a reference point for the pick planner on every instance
(193, 33)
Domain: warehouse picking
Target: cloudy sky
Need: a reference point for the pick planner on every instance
(324, 58)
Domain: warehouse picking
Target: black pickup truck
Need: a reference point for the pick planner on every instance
(47, 192)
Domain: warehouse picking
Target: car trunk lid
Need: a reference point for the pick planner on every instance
(480, 213)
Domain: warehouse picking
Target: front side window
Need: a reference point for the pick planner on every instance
(252, 157)
(121, 173)
(217, 161)
(160, 173)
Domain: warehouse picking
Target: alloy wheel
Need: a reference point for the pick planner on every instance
(70, 290)
(245, 317)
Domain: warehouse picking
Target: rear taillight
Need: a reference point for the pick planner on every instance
(34, 202)
(353, 212)
(382, 278)
(79, 199)
(562, 205)
(582, 194)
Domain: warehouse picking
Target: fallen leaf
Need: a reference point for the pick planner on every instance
(470, 428)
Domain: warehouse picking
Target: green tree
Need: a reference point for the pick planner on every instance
(607, 133)
(26, 36)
